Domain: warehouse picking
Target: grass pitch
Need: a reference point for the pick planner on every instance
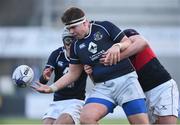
(18, 120)
(38, 121)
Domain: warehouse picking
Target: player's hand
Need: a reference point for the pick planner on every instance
(41, 88)
(111, 56)
(88, 69)
(47, 73)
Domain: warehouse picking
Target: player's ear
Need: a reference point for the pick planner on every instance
(86, 23)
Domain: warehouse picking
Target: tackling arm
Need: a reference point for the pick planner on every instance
(113, 54)
(138, 43)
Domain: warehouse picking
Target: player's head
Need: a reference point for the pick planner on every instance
(75, 20)
(67, 37)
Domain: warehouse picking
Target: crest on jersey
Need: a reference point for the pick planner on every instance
(98, 36)
(92, 47)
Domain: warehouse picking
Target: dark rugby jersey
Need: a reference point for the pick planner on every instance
(101, 37)
(60, 63)
(150, 71)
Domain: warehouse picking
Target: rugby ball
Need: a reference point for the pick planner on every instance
(23, 75)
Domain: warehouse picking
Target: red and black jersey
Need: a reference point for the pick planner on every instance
(150, 71)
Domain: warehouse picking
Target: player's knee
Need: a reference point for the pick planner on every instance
(48, 121)
(87, 119)
(64, 119)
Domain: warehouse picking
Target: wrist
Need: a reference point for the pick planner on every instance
(53, 87)
(119, 45)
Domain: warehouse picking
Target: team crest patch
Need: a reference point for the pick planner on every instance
(98, 36)
(92, 47)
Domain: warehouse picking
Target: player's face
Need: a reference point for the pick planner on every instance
(79, 31)
(67, 43)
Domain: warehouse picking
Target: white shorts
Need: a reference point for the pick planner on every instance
(71, 107)
(163, 100)
(119, 90)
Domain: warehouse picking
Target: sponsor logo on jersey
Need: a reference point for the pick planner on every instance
(60, 63)
(98, 36)
(92, 48)
(81, 46)
(97, 55)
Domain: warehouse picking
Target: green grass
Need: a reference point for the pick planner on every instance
(38, 121)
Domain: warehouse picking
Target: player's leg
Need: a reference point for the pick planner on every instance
(52, 112)
(64, 118)
(166, 120)
(48, 121)
(98, 104)
(136, 111)
(70, 114)
(162, 102)
(92, 113)
(130, 96)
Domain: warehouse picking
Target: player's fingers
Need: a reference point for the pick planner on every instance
(118, 57)
(33, 87)
(37, 89)
(101, 60)
(111, 59)
(38, 83)
(114, 59)
(105, 53)
(108, 60)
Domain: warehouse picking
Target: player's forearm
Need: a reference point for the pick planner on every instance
(137, 45)
(66, 80)
(124, 44)
(70, 77)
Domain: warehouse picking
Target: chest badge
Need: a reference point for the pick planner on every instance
(92, 48)
(98, 36)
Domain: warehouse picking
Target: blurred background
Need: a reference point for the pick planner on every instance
(31, 29)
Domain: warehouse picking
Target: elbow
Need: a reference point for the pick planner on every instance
(145, 44)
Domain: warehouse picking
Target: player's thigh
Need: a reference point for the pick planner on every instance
(64, 118)
(166, 120)
(162, 102)
(136, 111)
(72, 111)
(93, 111)
(141, 118)
(48, 121)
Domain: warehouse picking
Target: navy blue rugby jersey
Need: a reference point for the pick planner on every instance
(60, 63)
(89, 50)
(150, 71)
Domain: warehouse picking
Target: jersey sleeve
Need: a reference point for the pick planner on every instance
(74, 59)
(114, 32)
(52, 59)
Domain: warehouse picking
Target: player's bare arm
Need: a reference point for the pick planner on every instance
(75, 71)
(113, 54)
(138, 43)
